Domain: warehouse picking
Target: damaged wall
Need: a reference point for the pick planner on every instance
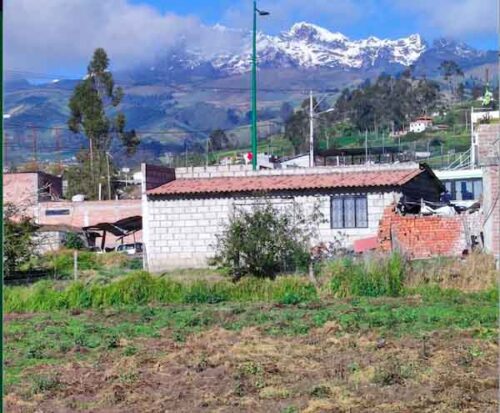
(426, 236)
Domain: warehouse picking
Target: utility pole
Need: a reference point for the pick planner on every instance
(311, 130)
(58, 150)
(366, 145)
(35, 146)
(206, 158)
(254, 82)
(109, 176)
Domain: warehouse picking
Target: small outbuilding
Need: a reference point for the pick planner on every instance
(183, 216)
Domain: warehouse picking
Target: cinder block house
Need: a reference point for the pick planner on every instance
(182, 217)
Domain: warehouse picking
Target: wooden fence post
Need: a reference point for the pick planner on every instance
(75, 264)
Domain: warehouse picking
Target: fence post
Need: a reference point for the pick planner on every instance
(75, 264)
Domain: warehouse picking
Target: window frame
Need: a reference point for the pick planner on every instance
(356, 197)
(57, 212)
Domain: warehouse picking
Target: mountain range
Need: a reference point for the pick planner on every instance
(188, 90)
(308, 47)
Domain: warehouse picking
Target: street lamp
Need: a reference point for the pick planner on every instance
(254, 82)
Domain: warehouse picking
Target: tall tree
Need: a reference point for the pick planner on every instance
(450, 70)
(93, 108)
(218, 140)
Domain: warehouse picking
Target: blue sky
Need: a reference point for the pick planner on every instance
(60, 37)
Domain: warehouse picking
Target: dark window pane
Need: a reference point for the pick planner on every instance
(337, 212)
(361, 212)
(349, 212)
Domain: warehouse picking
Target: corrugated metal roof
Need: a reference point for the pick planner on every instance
(386, 178)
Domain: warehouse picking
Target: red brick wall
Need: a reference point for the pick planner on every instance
(82, 214)
(421, 236)
(21, 189)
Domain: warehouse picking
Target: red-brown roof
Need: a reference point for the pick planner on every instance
(386, 178)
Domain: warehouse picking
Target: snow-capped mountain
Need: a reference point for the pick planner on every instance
(306, 46)
(309, 46)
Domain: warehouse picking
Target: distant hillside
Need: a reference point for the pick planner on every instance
(177, 101)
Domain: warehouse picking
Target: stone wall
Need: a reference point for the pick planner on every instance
(181, 233)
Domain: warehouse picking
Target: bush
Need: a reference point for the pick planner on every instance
(372, 278)
(74, 241)
(265, 241)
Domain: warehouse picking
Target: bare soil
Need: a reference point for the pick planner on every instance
(327, 370)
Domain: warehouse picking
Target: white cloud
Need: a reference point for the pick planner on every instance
(457, 18)
(62, 34)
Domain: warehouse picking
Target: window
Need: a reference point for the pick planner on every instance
(53, 212)
(464, 189)
(349, 212)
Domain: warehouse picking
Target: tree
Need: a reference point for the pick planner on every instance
(19, 238)
(93, 112)
(218, 140)
(461, 91)
(450, 70)
(265, 241)
(286, 111)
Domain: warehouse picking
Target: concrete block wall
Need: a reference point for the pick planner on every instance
(246, 170)
(182, 233)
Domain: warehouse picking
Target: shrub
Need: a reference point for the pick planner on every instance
(265, 241)
(74, 241)
(372, 278)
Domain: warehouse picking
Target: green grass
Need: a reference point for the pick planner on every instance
(142, 288)
(51, 338)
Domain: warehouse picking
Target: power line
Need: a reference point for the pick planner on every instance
(10, 125)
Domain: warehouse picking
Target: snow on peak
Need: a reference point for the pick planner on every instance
(306, 45)
(312, 32)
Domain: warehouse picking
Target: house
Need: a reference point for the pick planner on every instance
(26, 189)
(183, 216)
(40, 196)
(419, 125)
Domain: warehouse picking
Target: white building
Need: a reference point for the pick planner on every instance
(420, 125)
(183, 216)
(462, 184)
(299, 161)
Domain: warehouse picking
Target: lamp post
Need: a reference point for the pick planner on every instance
(254, 82)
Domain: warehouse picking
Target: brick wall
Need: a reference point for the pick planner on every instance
(21, 189)
(181, 233)
(425, 236)
(82, 214)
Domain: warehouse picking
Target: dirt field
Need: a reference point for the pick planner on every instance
(390, 355)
